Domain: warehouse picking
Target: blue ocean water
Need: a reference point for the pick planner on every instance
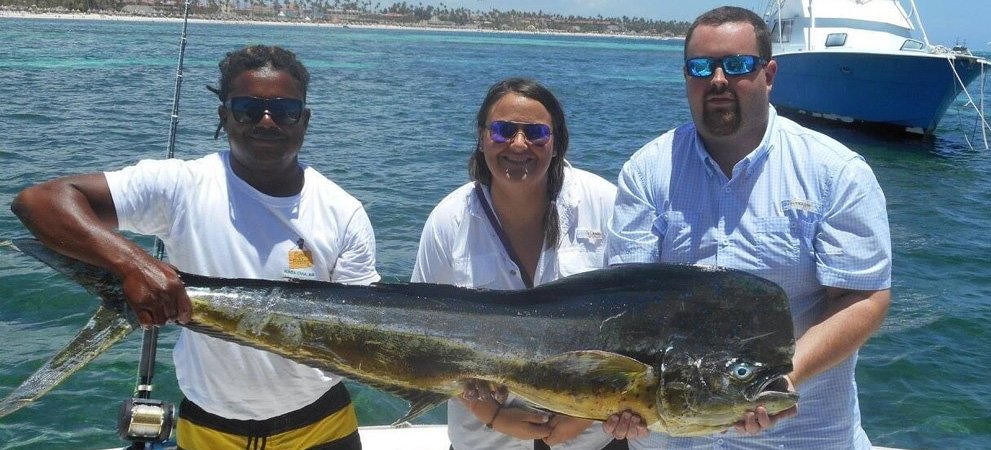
(392, 123)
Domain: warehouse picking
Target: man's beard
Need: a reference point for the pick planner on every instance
(722, 122)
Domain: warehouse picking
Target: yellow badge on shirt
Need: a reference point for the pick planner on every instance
(300, 263)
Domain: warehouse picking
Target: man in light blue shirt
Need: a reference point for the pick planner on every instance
(742, 187)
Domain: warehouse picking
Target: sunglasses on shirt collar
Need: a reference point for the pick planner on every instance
(251, 110)
(732, 65)
(502, 131)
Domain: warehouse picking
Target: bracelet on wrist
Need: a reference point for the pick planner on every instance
(492, 420)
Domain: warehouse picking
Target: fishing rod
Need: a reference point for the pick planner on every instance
(142, 420)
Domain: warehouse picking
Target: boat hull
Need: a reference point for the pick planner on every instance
(910, 92)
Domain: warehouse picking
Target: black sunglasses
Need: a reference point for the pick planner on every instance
(250, 110)
(732, 65)
(502, 131)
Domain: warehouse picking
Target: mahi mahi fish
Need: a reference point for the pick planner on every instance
(689, 348)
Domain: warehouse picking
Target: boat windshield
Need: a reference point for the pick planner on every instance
(914, 45)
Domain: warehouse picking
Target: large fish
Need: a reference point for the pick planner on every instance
(689, 348)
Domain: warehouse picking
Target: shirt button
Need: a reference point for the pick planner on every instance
(512, 272)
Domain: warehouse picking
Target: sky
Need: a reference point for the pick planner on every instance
(945, 21)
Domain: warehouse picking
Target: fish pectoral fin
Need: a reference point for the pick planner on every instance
(599, 366)
(419, 403)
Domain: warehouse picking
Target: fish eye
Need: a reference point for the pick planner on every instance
(742, 371)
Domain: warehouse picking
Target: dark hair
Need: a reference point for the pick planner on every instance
(479, 171)
(733, 14)
(255, 57)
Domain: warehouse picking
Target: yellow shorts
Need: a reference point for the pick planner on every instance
(327, 424)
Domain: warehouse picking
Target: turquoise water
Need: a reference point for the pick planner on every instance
(392, 123)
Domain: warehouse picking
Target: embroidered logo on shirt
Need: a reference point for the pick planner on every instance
(799, 205)
(592, 236)
(300, 263)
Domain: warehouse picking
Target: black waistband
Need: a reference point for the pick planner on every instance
(334, 400)
(615, 444)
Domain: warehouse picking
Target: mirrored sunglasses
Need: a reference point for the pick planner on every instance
(535, 133)
(732, 65)
(250, 110)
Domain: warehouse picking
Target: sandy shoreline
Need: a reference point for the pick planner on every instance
(132, 18)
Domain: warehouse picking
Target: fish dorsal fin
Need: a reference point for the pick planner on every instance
(419, 403)
(599, 366)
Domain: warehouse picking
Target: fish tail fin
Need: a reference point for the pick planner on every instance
(104, 329)
(111, 323)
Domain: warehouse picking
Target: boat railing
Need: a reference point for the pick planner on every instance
(978, 106)
(914, 13)
(951, 54)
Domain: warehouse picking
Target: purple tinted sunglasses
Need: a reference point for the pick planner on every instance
(502, 131)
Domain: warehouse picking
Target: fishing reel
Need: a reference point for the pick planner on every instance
(145, 420)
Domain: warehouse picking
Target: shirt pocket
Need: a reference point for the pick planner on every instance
(473, 272)
(587, 252)
(679, 243)
(782, 241)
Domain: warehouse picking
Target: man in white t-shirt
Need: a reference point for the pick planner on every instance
(252, 212)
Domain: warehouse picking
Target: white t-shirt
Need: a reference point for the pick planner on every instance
(459, 247)
(213, 223)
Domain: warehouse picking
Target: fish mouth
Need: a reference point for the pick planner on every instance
(772, 386)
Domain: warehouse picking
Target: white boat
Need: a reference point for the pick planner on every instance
(860, 61)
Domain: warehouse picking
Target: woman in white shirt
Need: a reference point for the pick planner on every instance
(526, 218)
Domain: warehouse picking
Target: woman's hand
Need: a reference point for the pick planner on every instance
(483, 390)
(519, 422)
(565, 428)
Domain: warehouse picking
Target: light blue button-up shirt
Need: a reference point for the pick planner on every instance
(801, 210)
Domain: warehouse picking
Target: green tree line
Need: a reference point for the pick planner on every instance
(366, 11)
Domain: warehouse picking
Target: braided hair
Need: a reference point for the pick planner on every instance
(479, 171)
(256, 57)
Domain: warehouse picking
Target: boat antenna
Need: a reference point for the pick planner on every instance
(142, 420)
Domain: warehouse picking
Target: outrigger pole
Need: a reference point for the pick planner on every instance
(143, 420)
